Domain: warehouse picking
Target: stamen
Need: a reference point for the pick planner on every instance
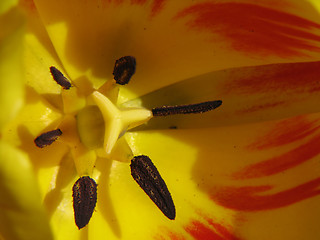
(147, 176)
(123, 70)
(47, 138)
(84, 200)
(186, 109)
(60, 78)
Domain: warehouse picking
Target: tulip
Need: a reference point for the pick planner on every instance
(76, 139)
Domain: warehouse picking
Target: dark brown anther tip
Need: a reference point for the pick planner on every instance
(47, 138)
(60, 78)
(186, 109)
(149, 179)
(84, 193)
(123, 70)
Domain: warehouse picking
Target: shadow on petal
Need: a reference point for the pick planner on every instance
(248, 94)
(41, 157)
(104, 204)
(64, 176)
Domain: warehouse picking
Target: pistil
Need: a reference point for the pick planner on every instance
(118, 121)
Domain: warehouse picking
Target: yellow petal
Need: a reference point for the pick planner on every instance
(248, 94)
(56, 183)
(182, 40)
(11, 67)
(22, 215)
(7, 4)
(39, 56)
(35, 117)
(256, 176)
(316, 4)
(208, 171)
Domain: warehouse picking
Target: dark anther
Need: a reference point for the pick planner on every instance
(84, 193)
(147, 176)
(47, 138)
(123, 70)
(186, 109)
(60, 78)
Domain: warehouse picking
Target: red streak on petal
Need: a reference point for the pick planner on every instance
(29, 5)
(260, 107)
(200, 231)
(117, 2)
(157, 6)
(254, 29)
(275, 78)
(222, 230)
(285, 132)
(167, 233)
(158, 237)
(294, 157)
(139, 2)
(247, 198)
(176, 236)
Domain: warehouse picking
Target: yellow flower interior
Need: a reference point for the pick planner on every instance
(93, 125)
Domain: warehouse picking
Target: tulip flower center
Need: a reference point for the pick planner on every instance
(99, 122)
(93, 127)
